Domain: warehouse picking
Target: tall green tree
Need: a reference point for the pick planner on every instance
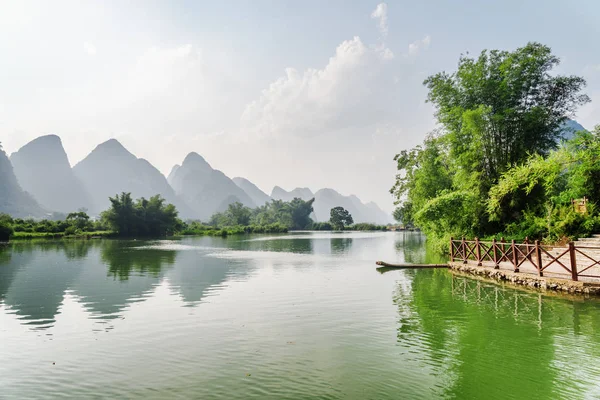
(340, 218)
(493, 112)
(79, 219)
(145, 217)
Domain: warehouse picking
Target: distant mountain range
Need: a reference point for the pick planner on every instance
(52, 182)
(326, 199)
(204, 189)
(13, 199)
(38, 179)
(569, 128)
(111, 169)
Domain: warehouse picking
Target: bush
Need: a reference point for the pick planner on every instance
(5, 231)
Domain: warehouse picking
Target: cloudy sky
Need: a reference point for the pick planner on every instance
(291, 93)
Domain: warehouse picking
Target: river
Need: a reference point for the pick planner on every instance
(296, 316)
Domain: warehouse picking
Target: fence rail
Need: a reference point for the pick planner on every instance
(573, 261)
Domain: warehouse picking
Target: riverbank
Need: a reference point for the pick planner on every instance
(16, 236)
(527, 279)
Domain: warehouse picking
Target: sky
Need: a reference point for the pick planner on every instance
(291, 93)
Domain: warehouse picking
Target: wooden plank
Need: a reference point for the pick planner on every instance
(384, 267)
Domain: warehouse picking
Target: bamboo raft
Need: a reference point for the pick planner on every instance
(384, 267)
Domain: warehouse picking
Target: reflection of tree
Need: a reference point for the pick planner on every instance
(125, 257)
(73, 249)
(285, 244)
(341, 245)
(38, 280)
(78, 249)
(414, 248)
(196, 274)
(7, 271)
(478, 335)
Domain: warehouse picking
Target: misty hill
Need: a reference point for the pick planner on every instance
(280, 194)
(569, 128)
(326, 199)
(42, 168)
(13, 199)
(258, 196)
(111, 169)
(204, 189)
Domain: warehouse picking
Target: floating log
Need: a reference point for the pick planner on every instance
(384, 267)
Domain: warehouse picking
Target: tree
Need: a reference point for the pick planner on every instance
(145, 217)
(300, 211)
(5, 231)
(494, 112)
(80, 220)
(340, 217)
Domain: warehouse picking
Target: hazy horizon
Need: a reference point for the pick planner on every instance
(281, 93)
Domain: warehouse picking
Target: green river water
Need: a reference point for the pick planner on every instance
(298, 316)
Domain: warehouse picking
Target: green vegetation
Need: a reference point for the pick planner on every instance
(339, 218)
(78, 226)
(141, 218)
(483, 171)
(276, 216)
(363, 226)
(155, 218)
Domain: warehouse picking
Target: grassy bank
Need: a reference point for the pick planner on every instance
(61, 235)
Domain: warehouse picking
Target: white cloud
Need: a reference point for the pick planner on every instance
(347, 92)
(89, 48)
(380, 13)
(419, 45)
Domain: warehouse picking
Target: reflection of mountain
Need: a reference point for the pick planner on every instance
(464, 328)
(341, 245)
(133, 272)
(7, 271)
(196, 274)
(35, 276)
(298, 245)
(126, 257)
(39, 283)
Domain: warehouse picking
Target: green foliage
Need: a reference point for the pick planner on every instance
(363, 226)
(321, 226)
(499, 112)
(150, 217)
(197, 228)
(5, 231)
(294, 214)
(80, 220)
(339, 218)
(534, 198)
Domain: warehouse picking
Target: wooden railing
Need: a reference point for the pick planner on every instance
(574, 261)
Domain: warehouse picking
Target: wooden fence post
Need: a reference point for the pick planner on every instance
(464, 250)
(526, 242)
(478, 251)
(538, 255)
(502, 241)
(451, 248)
(573, 261)
(495, 251)
(514, 255)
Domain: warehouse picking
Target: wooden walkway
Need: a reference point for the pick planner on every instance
(579, 261)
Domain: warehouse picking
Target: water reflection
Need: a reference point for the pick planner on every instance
(126, 257)
(341, 245)
(465, 329)
(106, 276)
(34, 282)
